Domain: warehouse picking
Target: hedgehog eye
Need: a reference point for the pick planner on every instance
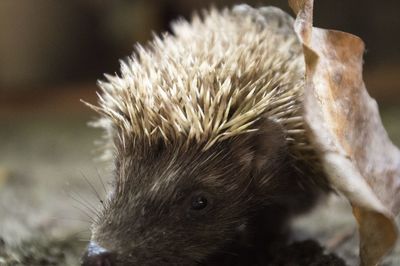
(199, 202)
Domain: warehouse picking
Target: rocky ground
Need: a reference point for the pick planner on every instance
(46, 166)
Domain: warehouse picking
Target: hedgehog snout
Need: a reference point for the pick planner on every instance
(97, 256)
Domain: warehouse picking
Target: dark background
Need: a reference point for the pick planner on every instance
(59, 48)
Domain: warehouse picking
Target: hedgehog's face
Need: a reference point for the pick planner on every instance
(175, 207)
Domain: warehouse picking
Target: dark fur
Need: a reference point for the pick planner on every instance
(249, 181)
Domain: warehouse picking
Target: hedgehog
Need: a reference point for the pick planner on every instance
(211, 158)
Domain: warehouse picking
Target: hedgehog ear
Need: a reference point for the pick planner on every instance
(262, 149)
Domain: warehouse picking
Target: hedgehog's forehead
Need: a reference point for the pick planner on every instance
(162, 155)
(154, 172)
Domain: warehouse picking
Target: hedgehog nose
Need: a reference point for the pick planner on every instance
(97, 256)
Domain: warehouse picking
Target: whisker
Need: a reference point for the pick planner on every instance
(80, 232)
(101, 180)
(92, 188)
(85, 213)
(90, 209)
(83, 202)
(87, 204)
(78, 236)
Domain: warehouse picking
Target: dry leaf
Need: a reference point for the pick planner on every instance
(343, 120)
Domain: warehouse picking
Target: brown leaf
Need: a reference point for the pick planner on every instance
(345, 127)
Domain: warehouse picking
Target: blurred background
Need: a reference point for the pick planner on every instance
(57, 49)
(52, 53)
